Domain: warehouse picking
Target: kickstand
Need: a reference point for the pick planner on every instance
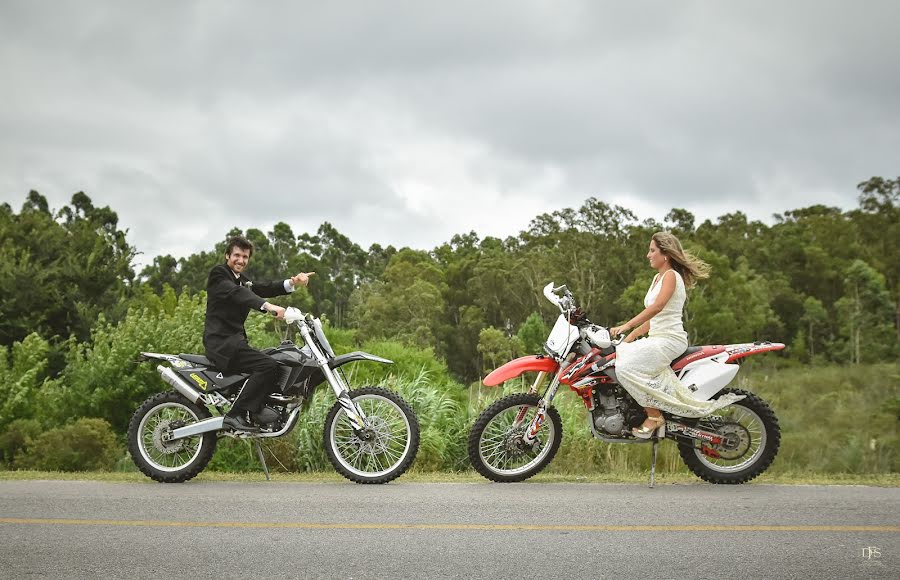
(653, 462)
(262, 459)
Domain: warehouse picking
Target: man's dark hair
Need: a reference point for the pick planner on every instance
(241, 242)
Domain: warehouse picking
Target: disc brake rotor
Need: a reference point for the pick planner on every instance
(515, 447)
(163, 432)
(735, 443)
(379, 437)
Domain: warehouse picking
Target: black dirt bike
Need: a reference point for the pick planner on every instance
(371, 434)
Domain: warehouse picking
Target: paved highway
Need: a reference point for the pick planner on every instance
(64, 529)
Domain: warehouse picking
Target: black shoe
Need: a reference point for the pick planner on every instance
(239, 422)
(265, 416)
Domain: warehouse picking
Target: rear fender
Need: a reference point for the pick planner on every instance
(514, 368)
(172, 359)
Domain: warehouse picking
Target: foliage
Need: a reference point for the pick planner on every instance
(532, 334)
(22, 373)
(85, 445)
(497, 348)
(823, 280)
(407, 304)
(60, 270)
(104, 378)
(18, 437)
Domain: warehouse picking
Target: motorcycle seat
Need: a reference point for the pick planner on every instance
(690, 350)
(196, 358)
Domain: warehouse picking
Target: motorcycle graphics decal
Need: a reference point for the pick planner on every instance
(200, 381)
(736, 351)
(538, 421)
(693, 432)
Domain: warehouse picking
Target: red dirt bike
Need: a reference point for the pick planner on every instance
(518, 435)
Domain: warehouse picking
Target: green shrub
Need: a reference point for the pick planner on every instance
(18, 437)
(104, 379)
(85, 445)
(23, 369)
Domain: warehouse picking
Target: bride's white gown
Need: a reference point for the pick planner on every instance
(642, 366)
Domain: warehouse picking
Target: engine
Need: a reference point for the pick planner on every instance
(614, 411)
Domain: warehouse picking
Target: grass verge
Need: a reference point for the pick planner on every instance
(641, 478)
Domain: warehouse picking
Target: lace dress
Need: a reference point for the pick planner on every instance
(643, 366)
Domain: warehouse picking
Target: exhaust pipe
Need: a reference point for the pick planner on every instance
(180, 384)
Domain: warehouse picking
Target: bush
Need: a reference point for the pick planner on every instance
(104, 379)
(18, 437)
(85, 445)
(23, 369)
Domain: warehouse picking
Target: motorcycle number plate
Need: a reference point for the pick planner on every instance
(561, 337)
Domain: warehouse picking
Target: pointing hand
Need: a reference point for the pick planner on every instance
(301, 279)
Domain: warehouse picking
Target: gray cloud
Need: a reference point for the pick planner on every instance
(403, 123)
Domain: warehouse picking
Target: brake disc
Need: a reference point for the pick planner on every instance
(162, 443)
(735, 441)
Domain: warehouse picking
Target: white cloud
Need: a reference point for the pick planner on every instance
(403, 124)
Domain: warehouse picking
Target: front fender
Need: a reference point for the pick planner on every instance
(514, 368)
(355, 356)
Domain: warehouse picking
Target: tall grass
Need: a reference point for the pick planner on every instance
(834, 420)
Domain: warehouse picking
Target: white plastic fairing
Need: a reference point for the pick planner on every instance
(549, 295)
(598, 336)
(561, 337)
(706, 377)
(292, 315)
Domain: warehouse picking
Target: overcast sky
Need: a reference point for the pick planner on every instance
(406, 122)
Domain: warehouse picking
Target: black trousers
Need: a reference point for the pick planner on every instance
(261, 384)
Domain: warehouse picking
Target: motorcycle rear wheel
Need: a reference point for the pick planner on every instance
(162, 460)
(753, 441)
(496, 448)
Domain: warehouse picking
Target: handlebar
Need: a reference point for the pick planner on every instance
(564, 302)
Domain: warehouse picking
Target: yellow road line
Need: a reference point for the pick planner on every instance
(465, 527)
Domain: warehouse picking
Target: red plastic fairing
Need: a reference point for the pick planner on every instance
(737, 351)
(705, 352)
(516, 367)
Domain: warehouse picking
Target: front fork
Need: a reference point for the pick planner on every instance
(341, 389)
(546, 401)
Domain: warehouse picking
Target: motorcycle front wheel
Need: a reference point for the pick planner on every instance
(496, 447)
(385, 450)
(751, 440)
(154, 453)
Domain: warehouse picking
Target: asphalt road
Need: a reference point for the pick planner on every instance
(61, 529)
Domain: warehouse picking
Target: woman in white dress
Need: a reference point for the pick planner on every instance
(642, 366)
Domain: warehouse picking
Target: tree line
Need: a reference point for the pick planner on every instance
(822, 280)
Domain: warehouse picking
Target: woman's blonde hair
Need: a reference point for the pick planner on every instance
(688, 265)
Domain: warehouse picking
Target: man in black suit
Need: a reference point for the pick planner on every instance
(230, 297)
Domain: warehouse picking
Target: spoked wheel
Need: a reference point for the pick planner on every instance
(382, 452)
(150, 444)
(496, 447)
(751, 440)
